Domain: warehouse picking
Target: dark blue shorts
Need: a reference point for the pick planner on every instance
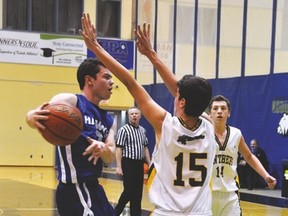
(83, 199)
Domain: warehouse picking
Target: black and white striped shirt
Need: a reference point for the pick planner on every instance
(132, 140)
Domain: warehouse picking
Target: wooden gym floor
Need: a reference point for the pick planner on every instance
(29, 191)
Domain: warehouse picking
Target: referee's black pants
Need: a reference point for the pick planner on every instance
(133, 174)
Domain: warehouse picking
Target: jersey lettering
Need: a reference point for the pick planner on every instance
(223, 159)
(220, 171)
(193, 166)
(183, 139)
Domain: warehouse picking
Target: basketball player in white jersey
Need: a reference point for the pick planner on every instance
(182, 161)
(224, 170)
(225, 183)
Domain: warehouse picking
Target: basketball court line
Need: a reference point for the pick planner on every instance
(23, 193)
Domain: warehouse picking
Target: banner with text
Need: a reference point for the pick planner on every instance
(121, 50)
(43, 49)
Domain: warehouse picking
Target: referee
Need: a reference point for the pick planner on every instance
(131, 152)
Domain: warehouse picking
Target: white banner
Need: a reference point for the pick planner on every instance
(43, 49)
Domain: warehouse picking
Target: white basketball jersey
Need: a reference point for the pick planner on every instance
(179, 183)
(225, 162)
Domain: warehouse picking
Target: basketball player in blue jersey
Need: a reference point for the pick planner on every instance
(80, 164)
(226, 154)
(182, 161)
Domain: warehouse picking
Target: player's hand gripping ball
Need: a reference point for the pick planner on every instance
(64, 125)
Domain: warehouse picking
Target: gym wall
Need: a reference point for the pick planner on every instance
(25, 87)
(241, 46)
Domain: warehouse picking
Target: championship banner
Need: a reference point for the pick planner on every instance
(41, 49)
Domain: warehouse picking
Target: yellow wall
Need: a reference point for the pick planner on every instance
(24, 87)
(90, 7)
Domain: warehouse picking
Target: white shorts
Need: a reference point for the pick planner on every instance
(225, 203)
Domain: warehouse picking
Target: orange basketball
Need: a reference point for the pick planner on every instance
(64, 124)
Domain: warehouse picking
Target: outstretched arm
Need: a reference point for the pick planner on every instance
(145, 48)
(154, 113)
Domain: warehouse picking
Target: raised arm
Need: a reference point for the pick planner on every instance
(145, 48)
(154, 113)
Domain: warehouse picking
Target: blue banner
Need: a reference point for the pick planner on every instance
(121, 50)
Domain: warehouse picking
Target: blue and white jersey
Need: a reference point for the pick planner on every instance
(72, 166)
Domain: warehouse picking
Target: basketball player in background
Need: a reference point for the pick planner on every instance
(181, 165)
(225, 201)
(80, 164)
(230, 141)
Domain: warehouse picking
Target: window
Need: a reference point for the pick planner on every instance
(108, 18)
(206, 25)
(54, 16)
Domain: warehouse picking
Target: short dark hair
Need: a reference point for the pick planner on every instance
(197, 92)
(220, 98)
(88, 67)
